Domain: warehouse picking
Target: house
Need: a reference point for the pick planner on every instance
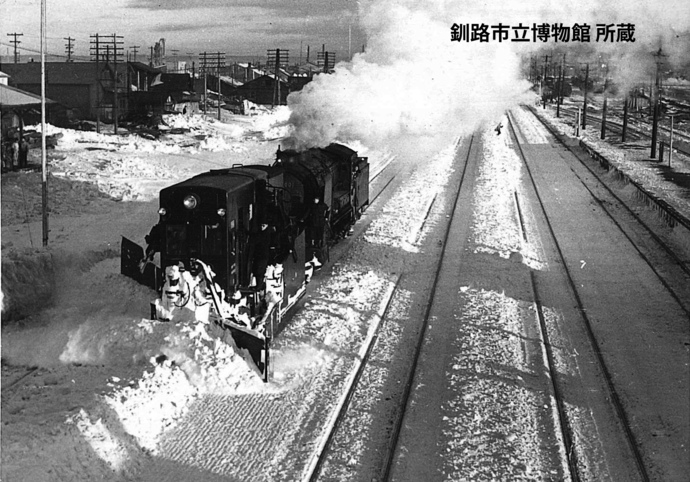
(176, 90)
(262, 90)
(16, 106)
(89, 90)
(72, 84)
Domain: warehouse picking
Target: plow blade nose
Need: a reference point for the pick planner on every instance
(133, 266)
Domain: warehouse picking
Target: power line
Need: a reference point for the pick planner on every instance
(37, 51)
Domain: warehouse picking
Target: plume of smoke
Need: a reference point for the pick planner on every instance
(412, 85)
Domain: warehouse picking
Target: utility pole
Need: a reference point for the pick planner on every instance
(625, 117)
(543, 81)
(204, 69)
(135, 49)
(670, 147)
(276, 93)
(117, 51)
(584, 108)
(115, 43)
(16, 44)
(558, 96)
(218, 63)
(69, 49)
(657, 94)
(206, 61)
(603, 112)
(44, 167)
(95, 52)
(561, 82)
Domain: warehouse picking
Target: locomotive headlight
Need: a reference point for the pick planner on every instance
(191, 201)
(221, 212)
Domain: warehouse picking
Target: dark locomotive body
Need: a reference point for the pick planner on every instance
(242, 220)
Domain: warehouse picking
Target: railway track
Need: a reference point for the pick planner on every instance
(680, 266)
(626, 419)
(385, 470)
(681, 141)
(565, 424)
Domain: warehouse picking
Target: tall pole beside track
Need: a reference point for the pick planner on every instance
(584, 108)
(44, 183)
(603, 112)
(657, 94)
(625, 118)
(670, 148)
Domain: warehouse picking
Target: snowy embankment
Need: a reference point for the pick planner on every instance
(110, 382)
(633, 161)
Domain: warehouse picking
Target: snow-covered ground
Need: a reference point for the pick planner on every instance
(110, 382)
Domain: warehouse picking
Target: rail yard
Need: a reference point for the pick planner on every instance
(510, 297)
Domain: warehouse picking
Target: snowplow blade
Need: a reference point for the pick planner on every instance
(257, 347)
(131, 255)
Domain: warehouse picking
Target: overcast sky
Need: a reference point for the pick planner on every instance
(235, 27)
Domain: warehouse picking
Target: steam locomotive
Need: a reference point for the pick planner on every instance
(238, 246)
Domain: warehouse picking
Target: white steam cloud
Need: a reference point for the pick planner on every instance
(413, 84)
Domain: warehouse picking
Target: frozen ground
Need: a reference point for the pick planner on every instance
(99, 401)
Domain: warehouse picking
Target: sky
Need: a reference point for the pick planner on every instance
(189, 27)
(251, 27)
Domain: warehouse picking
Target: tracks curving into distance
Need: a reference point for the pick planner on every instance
(566, 427)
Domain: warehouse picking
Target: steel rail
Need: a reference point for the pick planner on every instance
(669, 251)
(407, 389)
(614, 397)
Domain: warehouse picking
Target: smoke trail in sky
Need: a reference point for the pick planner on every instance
(411, 83)
(414, 84)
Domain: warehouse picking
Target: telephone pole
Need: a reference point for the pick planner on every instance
(135, 49)
(584, 108)
(69, 49)
(44, 162)
(96, 54)
(207, 61)
(113, 42)
(657, 94)
(605, 108)
(16, 45)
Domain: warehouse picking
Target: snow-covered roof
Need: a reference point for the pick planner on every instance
(12, 97)
(229, 80)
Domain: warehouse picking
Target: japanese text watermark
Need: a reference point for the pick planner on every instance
(542, 32)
